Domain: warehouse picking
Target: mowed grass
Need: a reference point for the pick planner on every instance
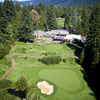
(53, 49)
(67, 79)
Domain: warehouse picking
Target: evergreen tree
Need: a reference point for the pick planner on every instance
(38, 9)
(30, 7)
(66, 22)
(68, 17)
(42, 24)
(9, 10)
(2, 18)
(9, 33)
(4, 37)
(51, 19)
(25, 13)
(59, 11)
(16, 24)
(81, 58)
(25, 29)
(42, 6)
(2, 53)
(17, 6)
(79, 26)
(74, 17)
(85, 21)
(92, 52)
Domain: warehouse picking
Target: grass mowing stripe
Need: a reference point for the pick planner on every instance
(67, 79)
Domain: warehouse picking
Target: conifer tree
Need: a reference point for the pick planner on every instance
(79, 26)
(92, 51)
(74, 17)
(85, 21)
(4, 41)
(9, 10)
(17, 6)
(25, 29)
(51, 19)
(42, 24)
(66, 22)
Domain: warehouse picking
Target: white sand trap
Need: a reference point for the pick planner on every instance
(45, 87)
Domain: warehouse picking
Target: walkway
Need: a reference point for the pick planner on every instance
(11, 68)
(13, 62)
(63, 56)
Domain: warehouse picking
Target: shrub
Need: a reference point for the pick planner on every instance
(49, 53)
(5, 83)
(10, 97)
(3, 61)
(39, 60)
(51, 60)
(32, 94)
(25, 58)
(64, 60)
(23, 50)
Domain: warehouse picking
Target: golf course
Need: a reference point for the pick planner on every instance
(66, 77)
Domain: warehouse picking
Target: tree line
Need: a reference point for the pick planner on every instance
(90, 55)
(18, 22)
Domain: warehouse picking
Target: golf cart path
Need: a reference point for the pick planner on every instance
(13, 61)
(10, 69)
(63, 56)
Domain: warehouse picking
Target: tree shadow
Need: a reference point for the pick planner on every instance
(77, 47)
(91, 76)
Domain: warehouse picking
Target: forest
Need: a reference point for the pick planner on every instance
(17, 23)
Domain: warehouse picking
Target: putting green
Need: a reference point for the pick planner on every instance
(65, 78)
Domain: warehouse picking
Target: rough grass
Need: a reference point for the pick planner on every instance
(54, 49)
(4, 65)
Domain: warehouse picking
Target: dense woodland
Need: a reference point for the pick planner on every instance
(17, 23)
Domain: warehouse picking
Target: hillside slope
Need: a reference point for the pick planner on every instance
(60, 2)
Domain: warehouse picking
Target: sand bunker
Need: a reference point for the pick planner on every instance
(45, 87)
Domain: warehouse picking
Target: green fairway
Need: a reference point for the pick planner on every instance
(66, 78)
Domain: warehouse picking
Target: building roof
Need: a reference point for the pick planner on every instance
(72, 36)
(59, 37)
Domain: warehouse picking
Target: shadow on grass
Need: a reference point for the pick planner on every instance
(91, 77)
(77, 48)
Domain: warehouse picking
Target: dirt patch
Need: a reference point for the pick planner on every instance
(45, 87)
